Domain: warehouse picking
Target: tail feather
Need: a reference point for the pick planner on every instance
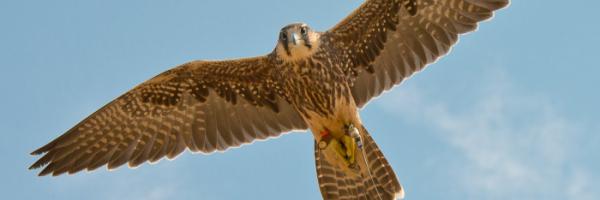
(379, 183)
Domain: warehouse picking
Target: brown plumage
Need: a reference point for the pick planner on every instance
(315, 80)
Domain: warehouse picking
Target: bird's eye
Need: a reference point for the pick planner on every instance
(283, 36)
(303, 31)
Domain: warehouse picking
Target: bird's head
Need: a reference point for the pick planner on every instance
(297, 41)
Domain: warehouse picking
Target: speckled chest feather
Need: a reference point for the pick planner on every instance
(317, 81)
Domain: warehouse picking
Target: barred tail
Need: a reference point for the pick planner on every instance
(378, 183)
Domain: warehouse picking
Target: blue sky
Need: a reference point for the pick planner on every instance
(511, 113)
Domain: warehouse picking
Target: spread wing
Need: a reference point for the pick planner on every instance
(386, 41)
(201, 106)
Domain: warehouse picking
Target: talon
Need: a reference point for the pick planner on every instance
(345, 147)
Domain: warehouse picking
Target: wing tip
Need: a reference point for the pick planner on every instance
(43, 161)
(400, 194)
(503, 3)
(36, 152)
(44, 149)
(494, 4)
(47, 170)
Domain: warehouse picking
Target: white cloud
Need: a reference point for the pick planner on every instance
(515, 145)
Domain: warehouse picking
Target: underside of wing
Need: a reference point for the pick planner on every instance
(200, 106)
(386, 41)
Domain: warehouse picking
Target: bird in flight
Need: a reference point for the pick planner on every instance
(311, 80)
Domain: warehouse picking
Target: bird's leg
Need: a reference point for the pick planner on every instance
(345, 146)
(351, 140)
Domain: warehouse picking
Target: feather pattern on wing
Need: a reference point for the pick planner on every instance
(202, 106)
(386, 41)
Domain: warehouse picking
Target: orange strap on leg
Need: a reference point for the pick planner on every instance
(324, 133)
(325, 138)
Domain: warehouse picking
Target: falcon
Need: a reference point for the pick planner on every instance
(311, 80)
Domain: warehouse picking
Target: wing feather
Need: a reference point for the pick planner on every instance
(386, 41)
(201, 106)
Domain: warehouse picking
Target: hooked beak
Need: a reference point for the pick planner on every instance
(295, 39)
